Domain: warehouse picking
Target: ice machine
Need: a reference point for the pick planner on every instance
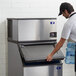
(30, 40)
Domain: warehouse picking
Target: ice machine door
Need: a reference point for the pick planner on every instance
(39, 52)
(45, 70)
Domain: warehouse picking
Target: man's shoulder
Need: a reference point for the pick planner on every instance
(68, 24)
(70, 21)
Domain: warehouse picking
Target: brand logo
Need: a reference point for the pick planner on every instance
(58, 68)
(52, 22)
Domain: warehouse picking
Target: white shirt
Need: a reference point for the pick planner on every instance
(69, 29)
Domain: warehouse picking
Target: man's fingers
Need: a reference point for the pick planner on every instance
(49, 59)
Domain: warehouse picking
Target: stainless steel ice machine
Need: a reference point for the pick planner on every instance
(30, 40)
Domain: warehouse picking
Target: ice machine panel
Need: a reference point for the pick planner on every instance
(39, 52)
(31, 29)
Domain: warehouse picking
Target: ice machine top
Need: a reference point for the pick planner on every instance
(32, 29)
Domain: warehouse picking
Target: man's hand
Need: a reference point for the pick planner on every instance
(49, 57)
(58, 46)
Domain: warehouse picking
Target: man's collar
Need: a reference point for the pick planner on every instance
(71, 14)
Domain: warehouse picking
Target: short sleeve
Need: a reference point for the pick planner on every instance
(66, 30)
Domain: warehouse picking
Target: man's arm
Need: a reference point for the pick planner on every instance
(58, 46)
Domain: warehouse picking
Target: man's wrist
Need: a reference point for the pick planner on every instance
(51, 54)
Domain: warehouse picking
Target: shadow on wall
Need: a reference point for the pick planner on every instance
(3, 43)
(3, 26)
(3, 32)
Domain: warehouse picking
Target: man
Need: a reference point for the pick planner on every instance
(69, 29)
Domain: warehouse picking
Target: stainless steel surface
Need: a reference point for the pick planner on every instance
(15, 30)
(32, 29)
(45, 70)
(35, 29)
(39, 52)
(15, 66)
(35, 32)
